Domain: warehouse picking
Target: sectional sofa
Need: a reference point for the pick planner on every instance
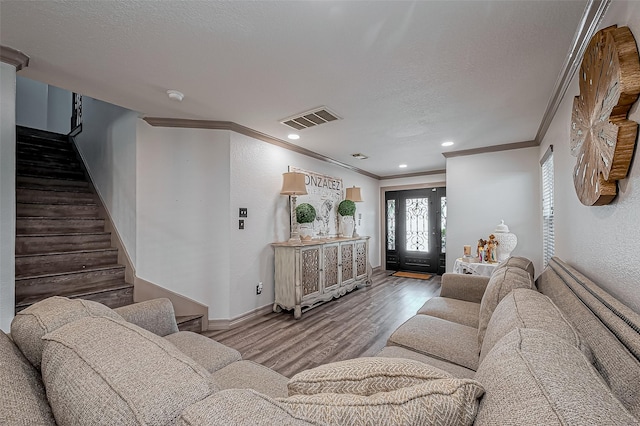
(487, 351)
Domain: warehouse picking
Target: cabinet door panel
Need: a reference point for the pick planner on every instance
(310, 280)
(346, 260)
(361, 259)
(330, 267)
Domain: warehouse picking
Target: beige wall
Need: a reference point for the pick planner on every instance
(601, 242)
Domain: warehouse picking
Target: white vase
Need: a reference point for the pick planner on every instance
(306, 231)
(348, 225)
(506, 241)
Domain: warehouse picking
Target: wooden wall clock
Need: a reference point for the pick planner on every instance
(602, 137)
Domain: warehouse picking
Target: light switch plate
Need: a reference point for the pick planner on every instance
(243, 212)
(241, 224)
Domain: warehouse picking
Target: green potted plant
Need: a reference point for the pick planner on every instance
(305, 216)
(347, 211)
(347, 208)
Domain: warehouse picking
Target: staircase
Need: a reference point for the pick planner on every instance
(61, 245)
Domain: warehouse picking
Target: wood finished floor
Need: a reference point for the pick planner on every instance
(355, 325)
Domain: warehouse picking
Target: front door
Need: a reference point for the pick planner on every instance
(415, 230)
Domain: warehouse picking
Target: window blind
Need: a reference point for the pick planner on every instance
(548, 238)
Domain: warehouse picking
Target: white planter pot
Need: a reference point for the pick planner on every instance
(306, 231)
(347, 223)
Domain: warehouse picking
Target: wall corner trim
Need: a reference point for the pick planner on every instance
(14, 57)
(592, 15)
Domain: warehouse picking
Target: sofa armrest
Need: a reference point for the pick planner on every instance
(156, 316)
(463, 287)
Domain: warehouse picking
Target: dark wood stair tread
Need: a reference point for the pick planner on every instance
(66, 252)
(189, 322)
(50, 203)
(73, 272)
(63, 234)
(77, 293)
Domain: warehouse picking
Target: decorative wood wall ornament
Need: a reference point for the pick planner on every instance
(602, 138)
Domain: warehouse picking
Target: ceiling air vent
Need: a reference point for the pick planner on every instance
(310, 118)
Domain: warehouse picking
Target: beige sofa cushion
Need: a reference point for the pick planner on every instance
(534, 377)
(22, 396)
(519, 262)
(99, 368)
(436, 402)
(155, 315)
(43, 317)
(239, 407)
(455, 310)
(502, 281)
(363, 376)
(439, 338)
(207, 352)
(523, 308)
(453, 369)
(251, 375)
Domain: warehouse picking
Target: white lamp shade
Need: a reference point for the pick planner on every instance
(353, 194)
(293, 184)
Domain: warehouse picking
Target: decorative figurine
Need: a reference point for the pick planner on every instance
(492, 245)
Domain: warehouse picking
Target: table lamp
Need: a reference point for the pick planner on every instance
(293, 184)
(354, 195)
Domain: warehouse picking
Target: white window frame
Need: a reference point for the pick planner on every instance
(548, 235)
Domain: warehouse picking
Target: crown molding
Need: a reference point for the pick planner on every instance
(234, 127)
(414, 174)
(492, 148)
(593, 13)
(14, 57)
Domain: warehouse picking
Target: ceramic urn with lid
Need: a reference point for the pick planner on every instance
(507, 241)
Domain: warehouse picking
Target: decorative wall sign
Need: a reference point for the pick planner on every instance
(324, 193)
(602, 138)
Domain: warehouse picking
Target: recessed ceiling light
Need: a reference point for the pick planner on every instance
(174, 95)
(359, 156)
(293, 136)
(448, 143)
(403, 166)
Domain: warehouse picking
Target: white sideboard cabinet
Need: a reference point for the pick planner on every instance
(314, 272)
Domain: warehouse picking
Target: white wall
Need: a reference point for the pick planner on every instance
(482, 189)
(107, 144)
(31, 103)
(43, 107)
(7, 193)
(256, 180)
(59, 110)
(601, 242)
(183, 219)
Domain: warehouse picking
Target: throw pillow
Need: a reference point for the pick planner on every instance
(363, 376)
(29, 325)
(437, 402)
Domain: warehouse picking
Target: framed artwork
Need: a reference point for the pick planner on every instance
(324, 193)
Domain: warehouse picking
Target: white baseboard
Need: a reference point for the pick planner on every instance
(226, 324)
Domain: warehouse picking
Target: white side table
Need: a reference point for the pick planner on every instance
(484, 269)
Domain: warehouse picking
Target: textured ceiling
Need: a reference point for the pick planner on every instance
(404, 76)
